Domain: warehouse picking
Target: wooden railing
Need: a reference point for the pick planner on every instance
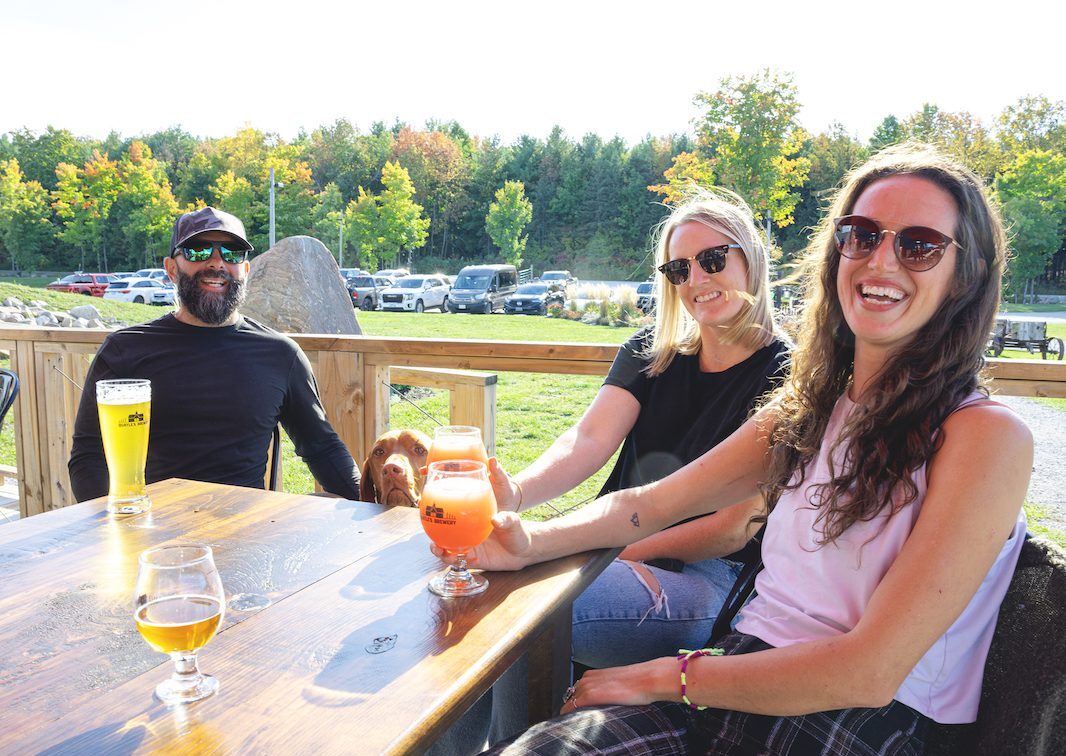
(353, 373)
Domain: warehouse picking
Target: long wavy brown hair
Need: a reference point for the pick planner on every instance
(893, 432)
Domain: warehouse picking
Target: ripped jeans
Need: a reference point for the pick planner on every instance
(620, 618)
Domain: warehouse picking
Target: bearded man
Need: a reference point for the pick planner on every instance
(221, 382)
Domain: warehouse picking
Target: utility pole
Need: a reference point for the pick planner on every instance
(340, 245)
(271, 208)
(273, 185)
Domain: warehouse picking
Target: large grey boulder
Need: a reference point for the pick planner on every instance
(296, 287)
(89, 312)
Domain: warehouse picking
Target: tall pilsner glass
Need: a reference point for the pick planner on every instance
(125, 408)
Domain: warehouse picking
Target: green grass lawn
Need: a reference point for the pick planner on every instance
(1037, 514)
(1041, 307)
(37, 282)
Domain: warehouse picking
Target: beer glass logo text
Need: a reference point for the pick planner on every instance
(134, 418)
(436, 515)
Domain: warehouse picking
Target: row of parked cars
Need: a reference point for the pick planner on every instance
(145, 286)
(477, 288)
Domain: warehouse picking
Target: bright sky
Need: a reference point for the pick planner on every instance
(506, 68)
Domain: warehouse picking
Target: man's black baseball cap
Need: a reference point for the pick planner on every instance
(207, 219)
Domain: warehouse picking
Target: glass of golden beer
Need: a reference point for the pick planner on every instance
(125, 408)
(456, 508)
(178, 609)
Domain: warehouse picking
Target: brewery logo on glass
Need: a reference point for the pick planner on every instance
(437, 516)
(137, 418)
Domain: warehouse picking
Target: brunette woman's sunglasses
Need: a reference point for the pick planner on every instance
(917, 248)
(201, 251)
(712, 261)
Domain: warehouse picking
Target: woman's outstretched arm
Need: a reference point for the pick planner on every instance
(726, 475)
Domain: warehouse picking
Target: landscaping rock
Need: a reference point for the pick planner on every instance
(95, 323)
(13, 302)
(88, 312)
(38, 304)
(296, 287)
(47, 320)
(64, 319)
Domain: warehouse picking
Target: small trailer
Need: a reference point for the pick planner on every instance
(1030, 335)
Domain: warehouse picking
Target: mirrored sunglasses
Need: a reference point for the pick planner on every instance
(201, 251)
(917, 248)
(712, 260)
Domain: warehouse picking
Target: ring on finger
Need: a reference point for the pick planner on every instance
(570, 694)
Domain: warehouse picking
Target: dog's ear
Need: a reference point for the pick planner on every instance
(367, 490)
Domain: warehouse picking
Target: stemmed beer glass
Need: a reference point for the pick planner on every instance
(178, 609)
(456, 507)
(457, 442)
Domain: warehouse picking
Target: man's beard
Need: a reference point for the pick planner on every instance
(213, 309)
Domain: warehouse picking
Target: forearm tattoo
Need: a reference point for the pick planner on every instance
(635, 520)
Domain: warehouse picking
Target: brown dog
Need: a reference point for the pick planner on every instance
(391, 471)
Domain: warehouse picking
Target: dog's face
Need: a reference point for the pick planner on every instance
(391, 471)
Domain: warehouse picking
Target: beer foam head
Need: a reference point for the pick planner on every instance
(123, 391)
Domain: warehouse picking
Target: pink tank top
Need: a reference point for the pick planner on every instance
(809, 592)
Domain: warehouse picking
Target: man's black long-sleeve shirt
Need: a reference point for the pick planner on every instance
(217, 394)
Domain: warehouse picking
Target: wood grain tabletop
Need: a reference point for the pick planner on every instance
(353, 655)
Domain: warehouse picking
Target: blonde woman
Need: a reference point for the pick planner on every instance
(674, 391)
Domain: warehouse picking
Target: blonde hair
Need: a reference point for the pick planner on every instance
(675, 330)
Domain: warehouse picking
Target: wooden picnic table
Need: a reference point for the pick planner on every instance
(353, 655)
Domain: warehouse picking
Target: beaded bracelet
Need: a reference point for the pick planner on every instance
(683, 656)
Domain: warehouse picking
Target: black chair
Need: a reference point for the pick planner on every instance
(9, 390)
(275, 459)
(742, 590)
(1023, 699)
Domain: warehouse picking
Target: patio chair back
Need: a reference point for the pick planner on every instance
(1023, 700)
(9, 390)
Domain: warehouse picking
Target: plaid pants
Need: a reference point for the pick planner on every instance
(670, 728)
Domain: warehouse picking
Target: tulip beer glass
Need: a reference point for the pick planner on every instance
(125, 410)
(178, 609)
(457, 442)
(456, 507)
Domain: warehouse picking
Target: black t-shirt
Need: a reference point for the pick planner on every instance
(217, 394)
(684, 412)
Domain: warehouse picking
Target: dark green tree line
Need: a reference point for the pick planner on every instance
(73, 202)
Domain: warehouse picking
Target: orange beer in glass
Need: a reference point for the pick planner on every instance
(457, 442)
(456, 508)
